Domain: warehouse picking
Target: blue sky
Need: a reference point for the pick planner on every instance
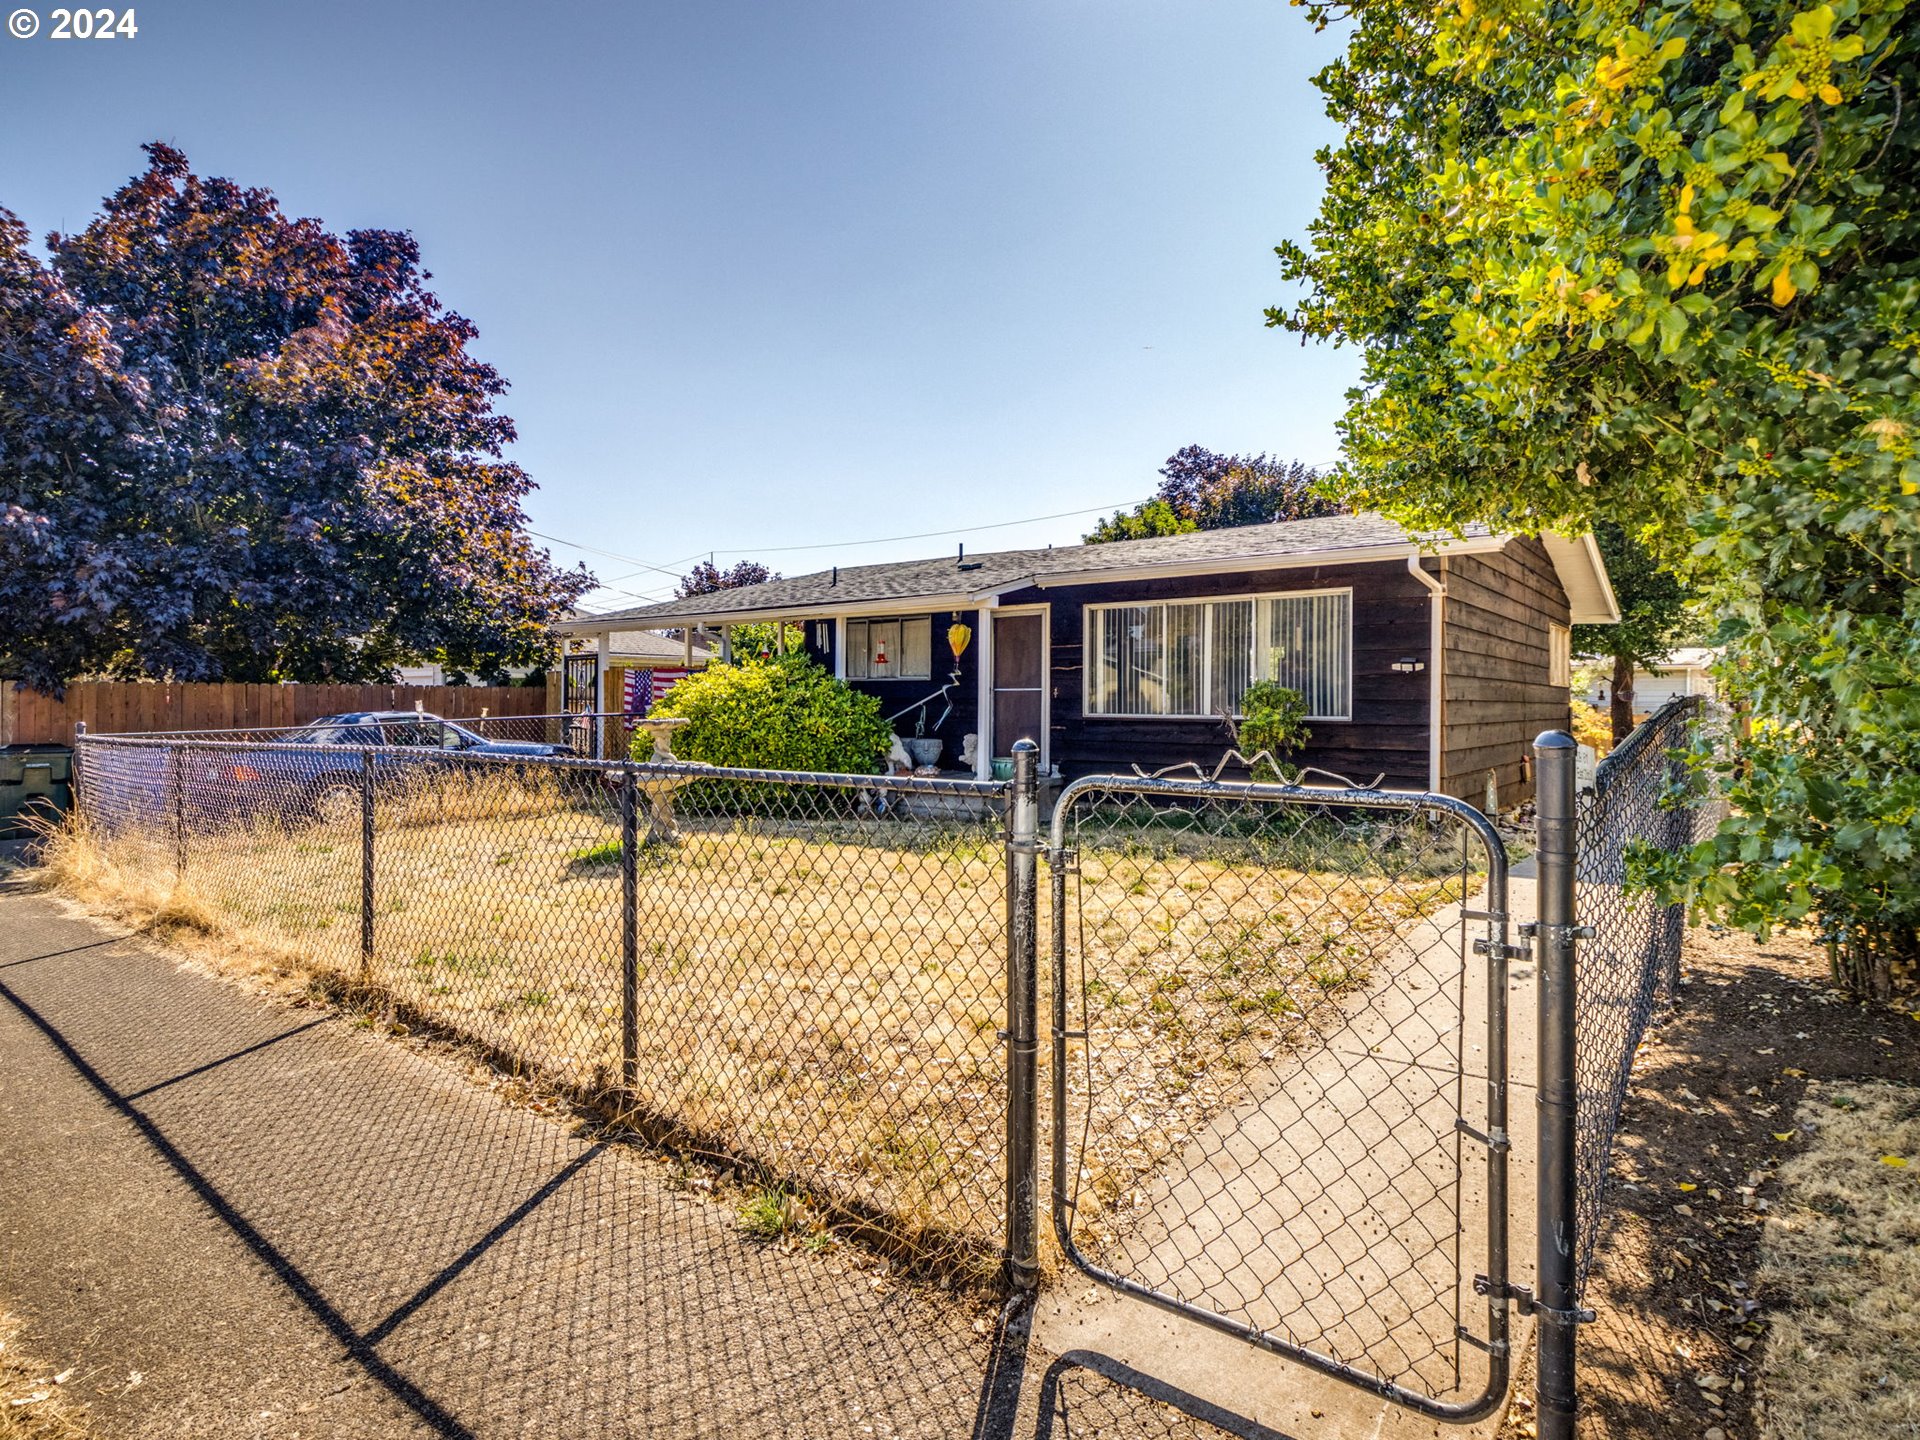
(774, 275)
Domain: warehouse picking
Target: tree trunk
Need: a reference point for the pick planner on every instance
(1622, 698)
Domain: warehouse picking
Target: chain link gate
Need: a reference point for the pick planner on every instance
(1287, 1116)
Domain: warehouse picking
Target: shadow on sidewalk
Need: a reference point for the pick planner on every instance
(495, 1273)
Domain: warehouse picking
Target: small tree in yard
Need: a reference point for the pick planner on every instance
(234, 445)
(1271, 723)
(1653, 618)
(1659, 264)
(781, 714)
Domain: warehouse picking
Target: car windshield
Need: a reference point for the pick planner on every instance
(318, 732)
(334, 731)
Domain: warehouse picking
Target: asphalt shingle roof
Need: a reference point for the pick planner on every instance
(994, 571)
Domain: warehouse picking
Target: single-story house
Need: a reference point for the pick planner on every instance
(1686, 671)
(1430, 662)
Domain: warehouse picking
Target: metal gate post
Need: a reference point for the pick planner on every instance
(366, 865)
(629, 926)
(1555, 1293)
(1023, 917)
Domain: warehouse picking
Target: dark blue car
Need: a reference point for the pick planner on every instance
(315, 770)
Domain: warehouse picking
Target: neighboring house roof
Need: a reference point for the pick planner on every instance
(961, 582)
(1688, 657)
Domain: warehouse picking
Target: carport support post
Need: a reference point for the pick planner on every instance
(1023, 918)
(1556, 1295)
(366, 865)
(629, 926)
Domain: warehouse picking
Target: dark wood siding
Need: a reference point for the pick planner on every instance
(898, 695)
(1497, 696)
(1387, 734)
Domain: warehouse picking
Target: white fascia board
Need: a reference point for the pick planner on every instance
(813, 610)
(1583, 575)
(1359, 555)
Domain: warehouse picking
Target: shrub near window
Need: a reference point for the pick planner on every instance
(1272, 719)
(779, 714)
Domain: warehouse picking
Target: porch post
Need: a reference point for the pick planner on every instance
(983, 759)
(603, 652)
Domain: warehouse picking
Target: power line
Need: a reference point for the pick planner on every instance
(648, 565)
(923, 535)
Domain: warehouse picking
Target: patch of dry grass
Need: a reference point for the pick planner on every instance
(34, 1401)
(1842, 1252)
(819, 994)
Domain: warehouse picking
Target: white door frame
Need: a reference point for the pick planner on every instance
(988, 746)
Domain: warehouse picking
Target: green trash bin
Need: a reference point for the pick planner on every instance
(36, 784)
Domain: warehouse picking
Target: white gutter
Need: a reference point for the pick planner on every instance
(806, 610)
(1436, 691)
(1237, 564)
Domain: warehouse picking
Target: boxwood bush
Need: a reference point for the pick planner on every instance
(785, 713)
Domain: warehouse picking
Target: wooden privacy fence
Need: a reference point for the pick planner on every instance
(112, 707)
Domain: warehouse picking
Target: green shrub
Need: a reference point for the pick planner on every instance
(776, 714)
(1272, 718)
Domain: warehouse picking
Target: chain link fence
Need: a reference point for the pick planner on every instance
(804, 973)
(1644, 797)
(1274, 1042)
(1278, 1067)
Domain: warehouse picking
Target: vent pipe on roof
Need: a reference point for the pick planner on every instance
(963, 553)
(836, 575)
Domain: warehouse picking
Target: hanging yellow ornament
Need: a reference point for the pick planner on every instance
(958, 636)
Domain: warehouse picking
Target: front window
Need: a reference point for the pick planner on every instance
(1195, 659)
(890, 649)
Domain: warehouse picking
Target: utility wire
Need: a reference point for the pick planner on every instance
(648, 565)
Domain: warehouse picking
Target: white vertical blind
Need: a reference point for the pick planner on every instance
(1196, 659)
(1309, 649)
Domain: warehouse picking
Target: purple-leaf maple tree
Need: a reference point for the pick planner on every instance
(234, 445)
(1201, 489)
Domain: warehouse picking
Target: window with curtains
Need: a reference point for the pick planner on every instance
(890, 649)
(1195, 659)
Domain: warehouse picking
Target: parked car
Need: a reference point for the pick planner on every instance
(410, 728)
(315, 769)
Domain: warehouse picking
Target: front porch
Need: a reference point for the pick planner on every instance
(973, 677)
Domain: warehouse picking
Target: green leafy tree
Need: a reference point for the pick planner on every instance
(1653, 618)
(1202, 490)
(234, 445)
(1660, 264)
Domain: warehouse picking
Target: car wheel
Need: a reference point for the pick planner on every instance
(338, 803)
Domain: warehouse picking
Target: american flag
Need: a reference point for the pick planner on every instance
(645, 688)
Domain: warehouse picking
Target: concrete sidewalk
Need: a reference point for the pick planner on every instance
(235, 1217)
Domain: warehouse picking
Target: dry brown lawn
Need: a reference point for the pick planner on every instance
(1843, 1358)
(822, 995)
(34, 1401)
